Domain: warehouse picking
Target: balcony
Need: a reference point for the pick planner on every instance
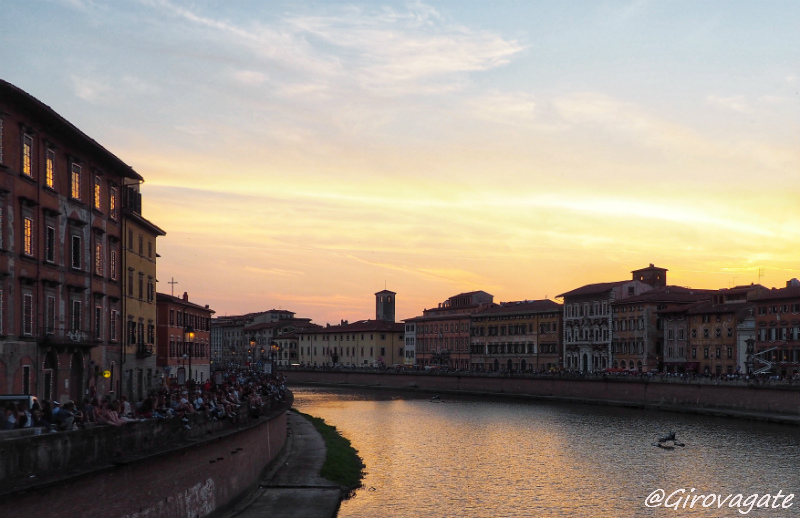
(144, 350)
(60, 337)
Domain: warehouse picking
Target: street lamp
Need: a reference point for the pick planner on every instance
(274, 349)
(188, 338)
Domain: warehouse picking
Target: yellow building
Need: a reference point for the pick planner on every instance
(139, 370)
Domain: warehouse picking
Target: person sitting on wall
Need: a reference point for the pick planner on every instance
(106, 415)
(66, 418)
(10, 414)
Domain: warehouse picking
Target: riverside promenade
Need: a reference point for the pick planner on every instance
(293, 488)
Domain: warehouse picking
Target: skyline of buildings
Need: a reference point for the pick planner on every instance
(81, 303)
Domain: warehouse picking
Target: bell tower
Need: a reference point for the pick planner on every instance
(384, 305)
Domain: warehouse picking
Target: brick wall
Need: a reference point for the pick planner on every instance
(780, 400)
(203, 476)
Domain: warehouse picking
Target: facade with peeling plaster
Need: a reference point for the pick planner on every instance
(62, 221)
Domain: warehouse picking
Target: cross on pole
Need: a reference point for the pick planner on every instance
(173, 282)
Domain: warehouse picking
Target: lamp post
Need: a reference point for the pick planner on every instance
(188, 338)
(274, 349)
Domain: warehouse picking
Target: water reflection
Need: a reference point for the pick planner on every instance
(490, 458)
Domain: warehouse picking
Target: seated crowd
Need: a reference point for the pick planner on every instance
(227, 400)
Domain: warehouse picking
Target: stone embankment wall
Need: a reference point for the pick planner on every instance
(143, 469)
(721, 397)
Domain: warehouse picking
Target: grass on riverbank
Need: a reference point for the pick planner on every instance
(342, 463)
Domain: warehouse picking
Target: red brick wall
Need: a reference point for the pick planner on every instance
(194, 481)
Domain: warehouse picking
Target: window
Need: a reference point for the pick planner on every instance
(2, 307)
(76, 252)
(149, 249)
(141, 286)
(151, 290)
(112, 203)
(141, 244)
(27, 314)
(130, 282)
(27, 246)
(76, 182)
(1, 140)
(113, 265)
(97, 192)
(50, 314)
(27, 155)
(76, 316)
(49, 174)
(98, 259)
(98, 322)
(50, 244)
(112, 325)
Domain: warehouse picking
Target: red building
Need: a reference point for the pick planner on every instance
(60, 254)
(777, 337)
(183, 335)
(443, 333)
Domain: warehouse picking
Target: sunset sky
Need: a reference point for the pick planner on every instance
(304, 155)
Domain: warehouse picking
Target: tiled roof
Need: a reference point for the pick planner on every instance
(593, 289)
(363, 326)
(789, 292)
(668, 294)
(521, 306)
(163, 297)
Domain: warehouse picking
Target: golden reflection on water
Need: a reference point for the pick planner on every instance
(490, 458)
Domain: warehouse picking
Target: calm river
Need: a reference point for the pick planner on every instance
(470, 457)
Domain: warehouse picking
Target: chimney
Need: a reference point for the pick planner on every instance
(185, 297)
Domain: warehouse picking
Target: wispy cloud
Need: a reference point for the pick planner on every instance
(385, 51)
(735, 103)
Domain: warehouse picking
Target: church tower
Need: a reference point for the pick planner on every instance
(384, 305)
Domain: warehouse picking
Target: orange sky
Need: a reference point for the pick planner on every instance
(305, 155)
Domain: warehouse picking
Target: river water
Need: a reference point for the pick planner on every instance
(473, 457)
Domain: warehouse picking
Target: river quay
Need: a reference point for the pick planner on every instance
(777, 402)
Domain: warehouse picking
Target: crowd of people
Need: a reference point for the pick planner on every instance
(237, 393)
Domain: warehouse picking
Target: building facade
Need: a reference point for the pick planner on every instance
(140, 373)
(443, 334)
(777, 331)
(61, 233)
(639, 340)
(521, 336)
(588, 324)
(183, 335)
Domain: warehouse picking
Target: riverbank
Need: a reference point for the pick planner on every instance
(342, 463)
(752, 402)
(294, 488)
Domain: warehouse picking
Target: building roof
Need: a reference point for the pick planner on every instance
(59, 124)
(593, 289)
(362, 326)
(286, 322)
(138, 218)
(520, 306)
(171, 299)
(677, 294)
(790, 292)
